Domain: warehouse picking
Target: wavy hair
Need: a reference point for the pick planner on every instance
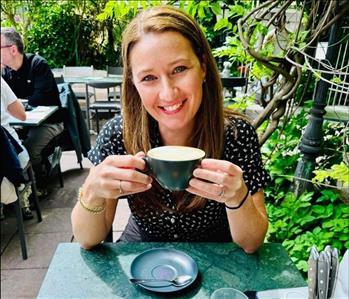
(208, 133)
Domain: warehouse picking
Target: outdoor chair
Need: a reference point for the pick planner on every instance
(51, 156)
(59, 80)
(230, 83)
(30, 182)
(75, 135)
(79, 71)
(116, 92)
(106, 106)
(10, 168)
(337, 106)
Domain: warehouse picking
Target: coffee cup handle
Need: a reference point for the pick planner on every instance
(147, 168)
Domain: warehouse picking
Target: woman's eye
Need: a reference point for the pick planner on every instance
(149, 78)
(180, 69)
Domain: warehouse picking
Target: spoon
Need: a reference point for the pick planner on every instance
(178, 281)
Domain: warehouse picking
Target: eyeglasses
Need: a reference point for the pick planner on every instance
(6, 46)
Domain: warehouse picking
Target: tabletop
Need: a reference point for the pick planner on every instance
(104, 271)
(85, 80)
(34, 117)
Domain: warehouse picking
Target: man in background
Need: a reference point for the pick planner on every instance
(30, 77)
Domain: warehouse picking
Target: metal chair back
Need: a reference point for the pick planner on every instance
(108, 106)
(116, 92)
(337, 108)
(114, 70)
(78, 71)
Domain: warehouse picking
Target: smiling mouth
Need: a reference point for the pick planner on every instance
(173, 108)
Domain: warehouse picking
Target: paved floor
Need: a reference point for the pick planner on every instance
(22, 278)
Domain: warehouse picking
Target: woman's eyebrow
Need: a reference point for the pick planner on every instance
(144, 71)
(180, 60)
(149, 70)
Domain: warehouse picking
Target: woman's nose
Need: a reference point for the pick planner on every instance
(168, 90)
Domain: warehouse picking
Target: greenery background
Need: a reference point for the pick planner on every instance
(89, 32)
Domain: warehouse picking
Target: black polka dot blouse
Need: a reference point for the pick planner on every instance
(208, 224)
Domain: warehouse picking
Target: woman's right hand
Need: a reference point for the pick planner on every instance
(116, 176)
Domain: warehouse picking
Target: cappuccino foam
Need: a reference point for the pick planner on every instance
(176, 153)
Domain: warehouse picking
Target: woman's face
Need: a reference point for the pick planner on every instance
(168, 77)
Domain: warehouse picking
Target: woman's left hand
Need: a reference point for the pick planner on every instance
(218, 180)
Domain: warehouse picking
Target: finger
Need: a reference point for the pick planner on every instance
(125, 161)
(125, 174)
(115, 188)
(140, 154)
(217, 177)
(132, 187)
(225, 166)
(208, 188)
(117, 192)
(204, 194)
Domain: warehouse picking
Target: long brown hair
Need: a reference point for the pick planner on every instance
(208, 131)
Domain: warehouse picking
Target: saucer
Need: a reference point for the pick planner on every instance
(163, 263)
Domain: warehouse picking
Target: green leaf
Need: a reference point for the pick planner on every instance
(336, 80)
(328, 224)
(318, 209)
(216, 8)
(337, 244)
(302, 265)
(328, 195)
(236, 10)
(307, 219)
(329, 210)
(343, 237)
(222, 23)
(201, 11)
(345, 209)
(338, 172)
(346, 245)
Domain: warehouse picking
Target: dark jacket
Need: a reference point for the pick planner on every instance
(9, 163)
(78, 135)
(34, 81)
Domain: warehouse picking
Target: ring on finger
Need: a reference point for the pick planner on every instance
(221, 194)
(120, 188)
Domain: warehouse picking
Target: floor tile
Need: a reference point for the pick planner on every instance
(5, 239)
(41, 248)
(61, 198)
(53, 221)
(24, 283)
(69, 161)
(9, 224)
(22, 278)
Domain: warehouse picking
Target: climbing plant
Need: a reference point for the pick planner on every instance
(276, 53)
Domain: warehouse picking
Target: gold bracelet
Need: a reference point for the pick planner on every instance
(94, 211)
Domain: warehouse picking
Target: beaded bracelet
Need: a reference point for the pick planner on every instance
(94, 211)
(241, 203)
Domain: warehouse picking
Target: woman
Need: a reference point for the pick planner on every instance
(172, 95)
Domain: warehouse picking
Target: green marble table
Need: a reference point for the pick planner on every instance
(104, 271)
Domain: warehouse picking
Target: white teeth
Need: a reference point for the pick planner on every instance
(172, 108)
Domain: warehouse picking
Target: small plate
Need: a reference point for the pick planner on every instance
(163, 263)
